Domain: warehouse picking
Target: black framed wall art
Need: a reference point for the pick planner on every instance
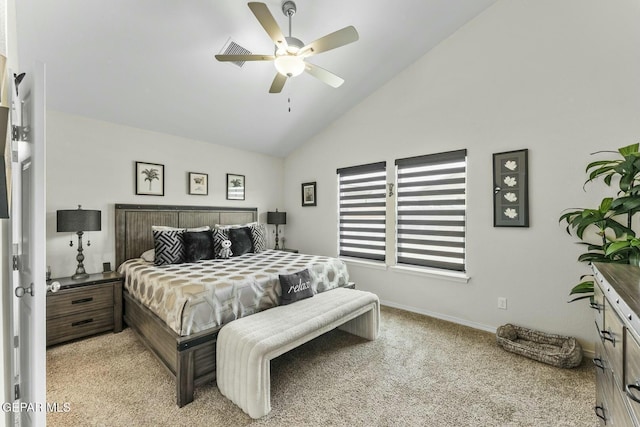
(235, 187)
(149, 179)
(511, 189)
(309, 194)
(198, 183)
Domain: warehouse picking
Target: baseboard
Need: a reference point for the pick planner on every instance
(588, 353)
(441, 316)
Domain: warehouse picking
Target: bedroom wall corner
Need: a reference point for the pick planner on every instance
(91, 163)
(558, 78)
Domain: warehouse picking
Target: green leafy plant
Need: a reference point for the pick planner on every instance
(607, 230)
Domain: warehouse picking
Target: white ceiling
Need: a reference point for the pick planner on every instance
(149, 63)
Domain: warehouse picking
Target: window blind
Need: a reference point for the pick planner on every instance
(362, 211)
(431, 208)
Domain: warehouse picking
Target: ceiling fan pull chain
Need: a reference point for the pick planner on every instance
(289, 101)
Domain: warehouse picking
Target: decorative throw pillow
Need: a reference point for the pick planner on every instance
(241, 242)
(219, 236)
(198, 245)
(169, 247)
(295, 287)
(259, 237)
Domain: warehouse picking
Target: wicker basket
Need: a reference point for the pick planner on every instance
(556, 350)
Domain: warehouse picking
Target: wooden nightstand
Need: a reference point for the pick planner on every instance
(84, 307)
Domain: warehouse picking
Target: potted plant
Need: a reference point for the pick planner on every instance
(607, 231)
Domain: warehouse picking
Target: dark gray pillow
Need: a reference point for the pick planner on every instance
(295, 287)
(241, 241)
(169, 246)
(198, 245)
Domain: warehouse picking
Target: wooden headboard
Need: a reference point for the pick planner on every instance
(133, 223)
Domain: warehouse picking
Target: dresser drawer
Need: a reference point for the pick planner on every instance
(78, 325)
(612, 335)
(598, 304)
(86, 298)
(603, 376)
(631, 383)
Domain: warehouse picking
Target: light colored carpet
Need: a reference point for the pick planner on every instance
(420, 372)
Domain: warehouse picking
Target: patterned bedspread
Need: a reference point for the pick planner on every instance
(197, 296)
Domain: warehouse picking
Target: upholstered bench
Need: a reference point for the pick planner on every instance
(246, 346)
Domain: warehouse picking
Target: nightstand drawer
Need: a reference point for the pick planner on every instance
(78, 325)
(84, 299)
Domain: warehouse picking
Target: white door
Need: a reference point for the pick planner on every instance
(28, 212)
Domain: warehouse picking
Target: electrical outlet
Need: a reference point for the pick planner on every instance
(502, 303)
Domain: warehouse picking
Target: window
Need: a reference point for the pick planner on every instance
(431, 205)
(362, 211)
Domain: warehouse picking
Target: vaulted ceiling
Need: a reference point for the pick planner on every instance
(149, 63)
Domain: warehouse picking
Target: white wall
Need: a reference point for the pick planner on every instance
(92, 163)
(558, 78)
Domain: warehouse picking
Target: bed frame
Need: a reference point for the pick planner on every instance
(190, 360)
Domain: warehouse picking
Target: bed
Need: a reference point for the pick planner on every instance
(179, 309)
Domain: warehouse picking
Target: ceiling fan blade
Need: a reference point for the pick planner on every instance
(278, 83)
(262, 14)
(235, 58)
(321, 74)
(330, 41)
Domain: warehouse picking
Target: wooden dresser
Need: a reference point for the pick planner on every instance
(617, 351)
(84, 307)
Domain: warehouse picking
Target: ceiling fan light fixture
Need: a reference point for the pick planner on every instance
(289, 65)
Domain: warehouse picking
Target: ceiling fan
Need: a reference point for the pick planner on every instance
(290, 52)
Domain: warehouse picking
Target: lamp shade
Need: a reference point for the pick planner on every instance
(78, 220)
(277, 218)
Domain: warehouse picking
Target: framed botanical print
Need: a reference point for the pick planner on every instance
(309, 194)
(198, 183)
(511, 189)
(235, 187)
(149, 179)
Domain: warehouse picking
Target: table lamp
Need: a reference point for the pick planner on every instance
(78, 221)
(277, 218)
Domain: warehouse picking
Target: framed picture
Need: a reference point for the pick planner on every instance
(235, 187)
(149, 179)
(198, 183)
(309, 194)
(511, 189)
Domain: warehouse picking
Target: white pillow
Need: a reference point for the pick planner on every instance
(149, 255)
(226, 227)
(167, 228)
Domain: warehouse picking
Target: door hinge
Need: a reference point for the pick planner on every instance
(16, 392)
(16, 341)
(15, 259)
(17, 132)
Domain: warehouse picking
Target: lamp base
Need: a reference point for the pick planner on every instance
(80, 271)
(79, 276)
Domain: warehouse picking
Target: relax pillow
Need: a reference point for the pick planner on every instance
(169, 247)
(241, 242)
(295, 287)
(198, 245)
